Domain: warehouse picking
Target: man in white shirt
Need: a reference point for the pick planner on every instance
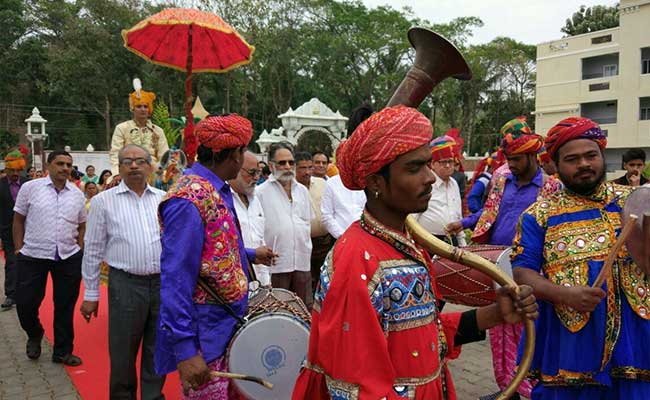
(123, 230)
(445, 205)
(249, 211)
(320, 162)
(321, 240)
(48, 230)
(340, 206)
(288, 214)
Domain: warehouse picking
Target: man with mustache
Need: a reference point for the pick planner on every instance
(123, 231)
(376, 331)
(48, 230)
(249, 210)
(515, 186)
(287, 208)
(590, 342)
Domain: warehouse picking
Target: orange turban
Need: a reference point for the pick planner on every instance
(573, 128)
(378, 141)
(16, 159)
(224, 132)
(142, 97)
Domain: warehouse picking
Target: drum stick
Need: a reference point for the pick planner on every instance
(230, 375)
(613, 252)
(645, 225)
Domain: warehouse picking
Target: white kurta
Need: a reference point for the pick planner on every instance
(340, 206)
(251, 221)
(287, 224)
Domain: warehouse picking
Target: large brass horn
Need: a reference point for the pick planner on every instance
(435, 60)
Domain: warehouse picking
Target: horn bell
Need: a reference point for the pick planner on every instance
(436, 59)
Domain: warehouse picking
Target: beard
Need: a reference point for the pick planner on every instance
(249, 190)
(283, 176)
(583, 188)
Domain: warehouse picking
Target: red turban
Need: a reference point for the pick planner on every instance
(573, 128)
(518, 138)
(378, 141)
(224, 132)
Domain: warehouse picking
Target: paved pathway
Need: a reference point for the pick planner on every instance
(21, 378)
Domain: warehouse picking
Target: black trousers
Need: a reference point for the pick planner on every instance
(10, 268)
(133, 308)
(31, 274)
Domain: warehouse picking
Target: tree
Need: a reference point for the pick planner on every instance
(591, 19)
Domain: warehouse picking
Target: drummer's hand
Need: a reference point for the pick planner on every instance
(265, 255)
(514, 308)
(454, 227)
(193, 373)
(88, 309)
(583, 298)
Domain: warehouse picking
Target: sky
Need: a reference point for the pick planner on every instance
(530, 22)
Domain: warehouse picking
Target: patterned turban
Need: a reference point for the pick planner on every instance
(518, 138)
(224, 132)
(573, 128)
(142, 97)
(543, 155)
(16, 159)
(443, 148)
(378, 141)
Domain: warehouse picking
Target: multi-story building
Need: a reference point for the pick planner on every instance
(604, 76)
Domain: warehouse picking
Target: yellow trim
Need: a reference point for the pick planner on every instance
(143, 24)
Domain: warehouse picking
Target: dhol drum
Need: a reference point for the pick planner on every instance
(271, 345)
(639, 242)
(460, 284)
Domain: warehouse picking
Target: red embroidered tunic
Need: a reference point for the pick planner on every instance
(376, 331)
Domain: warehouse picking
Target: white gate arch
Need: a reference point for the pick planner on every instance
(311, 116)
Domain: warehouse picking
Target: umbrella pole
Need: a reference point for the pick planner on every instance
(190, 139)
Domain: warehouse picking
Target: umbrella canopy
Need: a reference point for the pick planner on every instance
(192, 41)
(165, 37)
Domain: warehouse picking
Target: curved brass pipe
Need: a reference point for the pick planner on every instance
(442, 249)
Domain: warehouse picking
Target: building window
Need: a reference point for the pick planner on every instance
(644, 108)
(610, 70)
(599, 86)
(645, 66)
(601, 39)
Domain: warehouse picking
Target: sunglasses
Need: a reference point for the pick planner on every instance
(285, 162)
(138, 161)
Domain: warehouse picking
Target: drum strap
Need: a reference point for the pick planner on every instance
(204, 285)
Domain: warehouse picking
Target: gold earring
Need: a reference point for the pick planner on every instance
(376, 194)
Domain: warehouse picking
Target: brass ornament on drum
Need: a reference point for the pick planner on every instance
(271, 344)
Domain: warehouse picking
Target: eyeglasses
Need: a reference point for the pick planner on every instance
(138, 161)
(285, 162)
(446, 162)
(252, 172)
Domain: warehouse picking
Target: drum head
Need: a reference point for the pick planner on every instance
(638, 243)
(503, 262)
(270, 346)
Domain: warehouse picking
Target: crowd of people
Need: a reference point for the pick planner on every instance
(180, 260)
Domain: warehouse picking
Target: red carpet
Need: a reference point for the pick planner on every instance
(91, 344)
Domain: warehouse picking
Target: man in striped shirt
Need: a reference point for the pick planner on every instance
(123, 230)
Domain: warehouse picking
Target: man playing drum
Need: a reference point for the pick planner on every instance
(201, 239)
(591, 342)
(515, 186)
(376, 331)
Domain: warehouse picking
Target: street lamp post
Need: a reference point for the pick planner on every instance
(36, 136)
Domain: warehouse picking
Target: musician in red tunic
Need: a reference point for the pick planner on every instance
(376, 331)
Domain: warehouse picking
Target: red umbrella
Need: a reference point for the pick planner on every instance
(191, 41)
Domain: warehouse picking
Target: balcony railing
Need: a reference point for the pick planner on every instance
(602, 120)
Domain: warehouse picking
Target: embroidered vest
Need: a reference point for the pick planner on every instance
(484, 225)
(221, 265)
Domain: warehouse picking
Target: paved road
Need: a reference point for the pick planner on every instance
(21, 378)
